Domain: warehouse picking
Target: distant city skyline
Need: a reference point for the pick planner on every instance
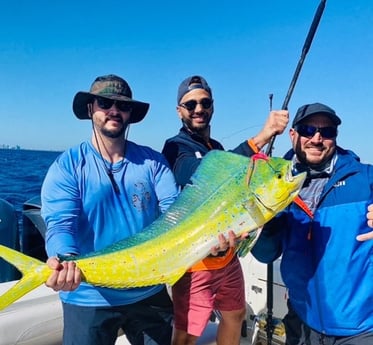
(10, 147)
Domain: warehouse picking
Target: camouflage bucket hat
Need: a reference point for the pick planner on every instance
(112, 87)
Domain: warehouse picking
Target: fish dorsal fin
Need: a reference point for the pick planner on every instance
(217, 169)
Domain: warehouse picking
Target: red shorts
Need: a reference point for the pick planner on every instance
(198, 293)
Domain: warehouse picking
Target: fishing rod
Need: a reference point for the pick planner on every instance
(269, 318)
(306, 47)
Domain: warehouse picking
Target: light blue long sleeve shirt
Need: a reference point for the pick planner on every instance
(83, 213)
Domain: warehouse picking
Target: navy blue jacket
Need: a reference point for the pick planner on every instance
(185, 151)
(328, 272)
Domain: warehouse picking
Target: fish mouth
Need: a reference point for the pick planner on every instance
(298, 179)
(294, 184)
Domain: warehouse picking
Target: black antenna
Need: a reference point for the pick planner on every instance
(306, 47)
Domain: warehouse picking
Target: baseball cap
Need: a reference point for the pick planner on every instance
(191, 83)
(313, 109)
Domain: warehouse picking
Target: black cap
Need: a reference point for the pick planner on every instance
(313, 109)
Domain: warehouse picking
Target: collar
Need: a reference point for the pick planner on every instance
(322, 171)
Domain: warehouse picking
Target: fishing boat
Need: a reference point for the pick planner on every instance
(36, 318)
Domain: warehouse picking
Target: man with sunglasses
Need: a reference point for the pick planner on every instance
(98, 193)
(326, 259)
(216, 283)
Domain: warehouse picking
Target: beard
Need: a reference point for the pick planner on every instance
(113, 133)
(318, 163)
(116, 132)
(195, 127)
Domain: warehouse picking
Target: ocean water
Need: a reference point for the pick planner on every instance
(22, 173)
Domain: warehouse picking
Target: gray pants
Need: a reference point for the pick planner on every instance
(298, 333)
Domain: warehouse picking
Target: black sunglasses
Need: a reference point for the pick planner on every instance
(309, 131)
(107, 103)
(206, 103)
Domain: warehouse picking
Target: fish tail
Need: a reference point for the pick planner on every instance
(34, 273)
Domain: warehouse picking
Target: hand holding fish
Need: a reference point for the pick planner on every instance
(66, 276)
(368, 235)
(224, 243)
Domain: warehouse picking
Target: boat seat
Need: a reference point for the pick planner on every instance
(9, 237)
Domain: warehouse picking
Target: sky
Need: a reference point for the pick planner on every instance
(245, 49)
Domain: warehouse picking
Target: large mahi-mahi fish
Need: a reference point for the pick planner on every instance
(229, 192)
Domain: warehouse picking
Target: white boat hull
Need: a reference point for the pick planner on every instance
(35, 319)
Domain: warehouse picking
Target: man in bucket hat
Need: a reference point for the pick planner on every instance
(95, 194)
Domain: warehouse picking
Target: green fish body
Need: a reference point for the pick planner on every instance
(229, 192)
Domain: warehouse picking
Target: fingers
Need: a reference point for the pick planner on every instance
(232, 239)
(365, 237)
(368, 235)
(370, 215)
(275, 124)
(54, 263)
(224, 243)
(66, 276)
(278, 121)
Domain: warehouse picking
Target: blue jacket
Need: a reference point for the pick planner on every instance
(328, 273)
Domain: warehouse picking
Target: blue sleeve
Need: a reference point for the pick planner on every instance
(183, 161)
(243, 149)
(165, 185)
(60, 210)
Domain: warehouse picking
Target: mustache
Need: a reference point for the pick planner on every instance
(318, 146)
(114, 117)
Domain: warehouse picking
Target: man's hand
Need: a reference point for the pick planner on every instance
(275, 124)
(66, 276)
(224, 243)
(368, 235)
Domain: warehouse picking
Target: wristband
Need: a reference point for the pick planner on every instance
(252, 145)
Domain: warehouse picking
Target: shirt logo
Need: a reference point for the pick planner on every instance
(340, 184)
(141, 198)
(198, 154)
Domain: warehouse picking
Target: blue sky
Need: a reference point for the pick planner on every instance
(245, 49)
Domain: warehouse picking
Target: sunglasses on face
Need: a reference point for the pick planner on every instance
(206, 103)
(309, 131)
(106, 103)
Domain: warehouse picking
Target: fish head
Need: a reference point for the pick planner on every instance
(272, 182)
